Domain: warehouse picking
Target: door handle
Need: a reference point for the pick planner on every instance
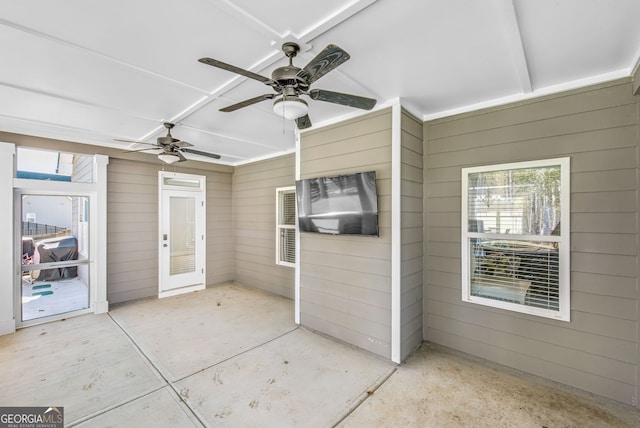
(164, 245)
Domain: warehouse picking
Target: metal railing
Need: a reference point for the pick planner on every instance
(39, 229)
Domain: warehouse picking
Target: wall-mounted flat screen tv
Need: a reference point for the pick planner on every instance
(341, 205)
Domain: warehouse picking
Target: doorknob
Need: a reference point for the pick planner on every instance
(164, 245)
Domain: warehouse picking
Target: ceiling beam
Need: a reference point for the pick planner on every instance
(514, 40)
(245, 17)
(114, 60)
(338, 17)
(228, 137)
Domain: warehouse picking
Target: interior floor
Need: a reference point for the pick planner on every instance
(45, 298)
(232, 356)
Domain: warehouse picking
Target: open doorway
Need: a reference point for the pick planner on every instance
(59, 212)
(55, 255)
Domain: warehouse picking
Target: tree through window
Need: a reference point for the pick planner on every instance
(514, 253)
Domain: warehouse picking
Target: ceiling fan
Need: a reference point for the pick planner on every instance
(290, 82)
(172, 149)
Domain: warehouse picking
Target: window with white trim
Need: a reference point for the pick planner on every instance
(286, 226)
(515, 237)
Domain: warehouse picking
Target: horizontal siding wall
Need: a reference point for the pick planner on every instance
(220, 239)
(132, 229)
(412, 233)
(132, 216)
(345, 281)
(254, 224)
(82, 169)
(597, 127)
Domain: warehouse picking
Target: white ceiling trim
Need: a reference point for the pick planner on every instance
(353, 115)
(53, 129)
(266, 157)
(514, 39)
(636, 64)
(98, 54)
(338, 17)
(70, 99)
(549, 90)
(245, 17)
(227, 137)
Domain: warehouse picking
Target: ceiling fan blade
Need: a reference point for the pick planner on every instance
(198, 152)
(232, 68)
(343, 99)
(248, 102)
(330, 57)
(303, 122)
(131, 141)
(144, 150)
(181, 143)
(135, 142)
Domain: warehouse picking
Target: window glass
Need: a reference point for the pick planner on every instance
(286, 226)
(515, 255)
(517, 201)
(36, 164)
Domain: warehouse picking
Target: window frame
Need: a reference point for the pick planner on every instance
(280, 227)
(563, 240)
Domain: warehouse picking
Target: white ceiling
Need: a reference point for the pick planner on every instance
(93, 71)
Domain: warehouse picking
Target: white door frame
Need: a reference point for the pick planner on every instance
(10, 272)
(163, 186)
(59, 189)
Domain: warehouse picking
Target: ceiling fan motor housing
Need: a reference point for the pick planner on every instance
(287, 77)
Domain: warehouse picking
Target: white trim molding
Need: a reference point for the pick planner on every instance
(7, 267)
(396, 233)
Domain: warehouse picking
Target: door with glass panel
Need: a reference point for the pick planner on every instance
(182, 233)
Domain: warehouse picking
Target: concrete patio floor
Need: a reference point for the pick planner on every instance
(232, 356)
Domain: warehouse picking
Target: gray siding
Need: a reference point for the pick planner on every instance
(82, 169)
(345, 283)
(220, 239)
(411, 232)
(597, 127)
(132, 229)
(254, 224)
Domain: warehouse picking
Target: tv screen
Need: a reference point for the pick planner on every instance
(345, 204)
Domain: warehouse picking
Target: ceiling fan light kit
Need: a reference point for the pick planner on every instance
(172, 149)
(290, 82)
(290, 107)
(169, 158)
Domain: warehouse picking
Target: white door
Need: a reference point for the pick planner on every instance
(182, 233)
